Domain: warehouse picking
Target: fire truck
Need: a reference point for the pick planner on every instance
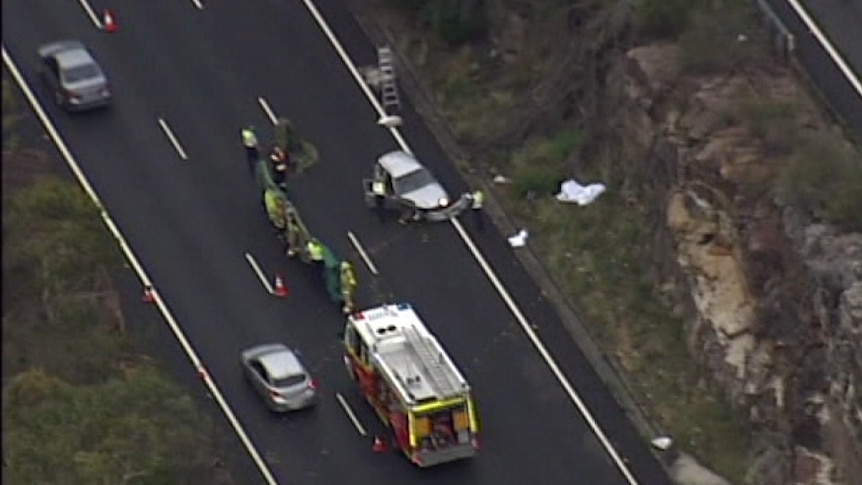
(412, 384)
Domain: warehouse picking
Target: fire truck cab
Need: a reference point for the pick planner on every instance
(412, 384)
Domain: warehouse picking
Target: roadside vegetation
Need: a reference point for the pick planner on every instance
(80, 404)
(601, 256)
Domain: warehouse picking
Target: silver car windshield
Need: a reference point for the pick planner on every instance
(80, 73)
(289, 381)
(414, 180)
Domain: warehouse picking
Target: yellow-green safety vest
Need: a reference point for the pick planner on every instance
(348, 279)
(378, 188)
(248, 138)
(315, 251)
(478, 199)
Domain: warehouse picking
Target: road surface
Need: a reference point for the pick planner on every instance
(840, 23)
(167, 163)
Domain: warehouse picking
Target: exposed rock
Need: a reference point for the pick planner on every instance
(685, 470)
(777, 299)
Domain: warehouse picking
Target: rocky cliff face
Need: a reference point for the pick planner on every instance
(774, 300)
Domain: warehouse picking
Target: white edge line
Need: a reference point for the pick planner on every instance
(350, 414)
(355, 241)
(198, 4)
(258, 272)
(537, 343)
(91, 14)
(824, 41)
(354, 72)
(266, 109)
(172, 138)
(139, 270)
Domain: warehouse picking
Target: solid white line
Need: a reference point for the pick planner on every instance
(354, 72)
(260, 275)
(824, 41)
(198, 4)
(139, 270)
(355, 241)
(513, 307)
(91, 14)
(350, 414)
(172, 138)
(266, 109)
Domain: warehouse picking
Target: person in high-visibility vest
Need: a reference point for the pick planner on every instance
(477, 199)
(293, 232)
(315, 250)
(274, 208)
(249, 142)
(348, 286)
(378, 188)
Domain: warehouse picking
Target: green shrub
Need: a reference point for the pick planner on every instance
(457, 21)
(711, 42)
(563, 144)
(413, 6)
(825, 178)
(664, 19)
(535, 179)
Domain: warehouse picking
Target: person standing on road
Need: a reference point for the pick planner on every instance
(249, 142)
(477, 199)
(378, 188)
(348, 286)
(314, 249)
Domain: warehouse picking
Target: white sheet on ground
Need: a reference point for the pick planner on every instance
(519, 240)
(572, 191)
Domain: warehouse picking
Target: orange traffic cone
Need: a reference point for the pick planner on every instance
(279, 289)
(148, 295)
(109, 24)
(378, 445)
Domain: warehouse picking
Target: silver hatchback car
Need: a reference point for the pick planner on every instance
(279, 377)
(73, 76)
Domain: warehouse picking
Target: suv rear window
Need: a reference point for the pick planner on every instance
(289, 381)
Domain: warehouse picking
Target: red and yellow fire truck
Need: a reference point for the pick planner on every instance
(412, 384)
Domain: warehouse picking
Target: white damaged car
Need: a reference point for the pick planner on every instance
(410, 188)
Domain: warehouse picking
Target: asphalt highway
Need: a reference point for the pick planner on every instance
(840, 21)
(192, 222)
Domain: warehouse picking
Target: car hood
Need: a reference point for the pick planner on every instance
(427, 197)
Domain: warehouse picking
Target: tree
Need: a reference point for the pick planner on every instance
(135, 430)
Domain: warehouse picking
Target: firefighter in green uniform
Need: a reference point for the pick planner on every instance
(275, 208)
(348, 286)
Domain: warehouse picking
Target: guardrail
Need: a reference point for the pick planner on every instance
(785, 43)
(782, 38)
